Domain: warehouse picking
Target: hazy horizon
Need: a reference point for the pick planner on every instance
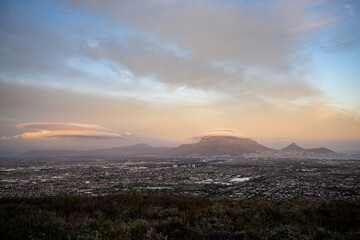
(93, 74)
(85, 146)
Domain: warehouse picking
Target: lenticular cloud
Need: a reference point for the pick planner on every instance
(224, 132)
(65, 130)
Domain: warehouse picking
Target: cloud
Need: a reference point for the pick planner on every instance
(20, 102)
(215, 44)
(223, 132)
(350, 9)
(171, 69)
(245, 35)
(208, 45)
(65, 130)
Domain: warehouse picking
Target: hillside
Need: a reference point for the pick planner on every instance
(138, 149)
(139, 216)
(50, 153)
(294, 148)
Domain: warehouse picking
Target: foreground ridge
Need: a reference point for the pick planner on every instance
(151, 216)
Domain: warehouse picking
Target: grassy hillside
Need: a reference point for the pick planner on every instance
(151, 216)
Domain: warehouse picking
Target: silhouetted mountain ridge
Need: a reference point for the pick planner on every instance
(50, 153)
(220, 146)
(137, 149)
(207, 146)
(294, 148)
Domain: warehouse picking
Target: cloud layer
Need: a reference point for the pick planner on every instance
(65, 130)
(146, 49)
(221, 133)
(212, 44)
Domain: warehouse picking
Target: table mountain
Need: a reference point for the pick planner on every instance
(217, 145)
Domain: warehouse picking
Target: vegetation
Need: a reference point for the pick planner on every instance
(130, 215)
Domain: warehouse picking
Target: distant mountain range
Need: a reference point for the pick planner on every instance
(293, 148)
(137, 149)
(207, 146)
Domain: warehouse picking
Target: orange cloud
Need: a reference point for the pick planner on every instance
(65, 130)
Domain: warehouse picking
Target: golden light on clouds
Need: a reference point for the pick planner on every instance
(222, 132)
(65, 130)
(169, 70)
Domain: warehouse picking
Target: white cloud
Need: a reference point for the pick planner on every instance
(222, 40)
(221, 132)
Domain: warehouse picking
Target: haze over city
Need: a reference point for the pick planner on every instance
(95, 74)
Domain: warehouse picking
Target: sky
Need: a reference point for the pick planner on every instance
(93, 74)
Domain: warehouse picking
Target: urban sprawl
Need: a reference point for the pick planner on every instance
(240, 177)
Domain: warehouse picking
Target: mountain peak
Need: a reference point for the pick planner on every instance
(292, 147)
(296, 149)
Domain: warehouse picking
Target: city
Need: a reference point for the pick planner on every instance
(238, 177)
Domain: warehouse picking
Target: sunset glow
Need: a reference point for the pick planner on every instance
(113, 73)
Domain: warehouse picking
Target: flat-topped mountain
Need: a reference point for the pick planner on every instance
(220, 146)
(293, 148)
